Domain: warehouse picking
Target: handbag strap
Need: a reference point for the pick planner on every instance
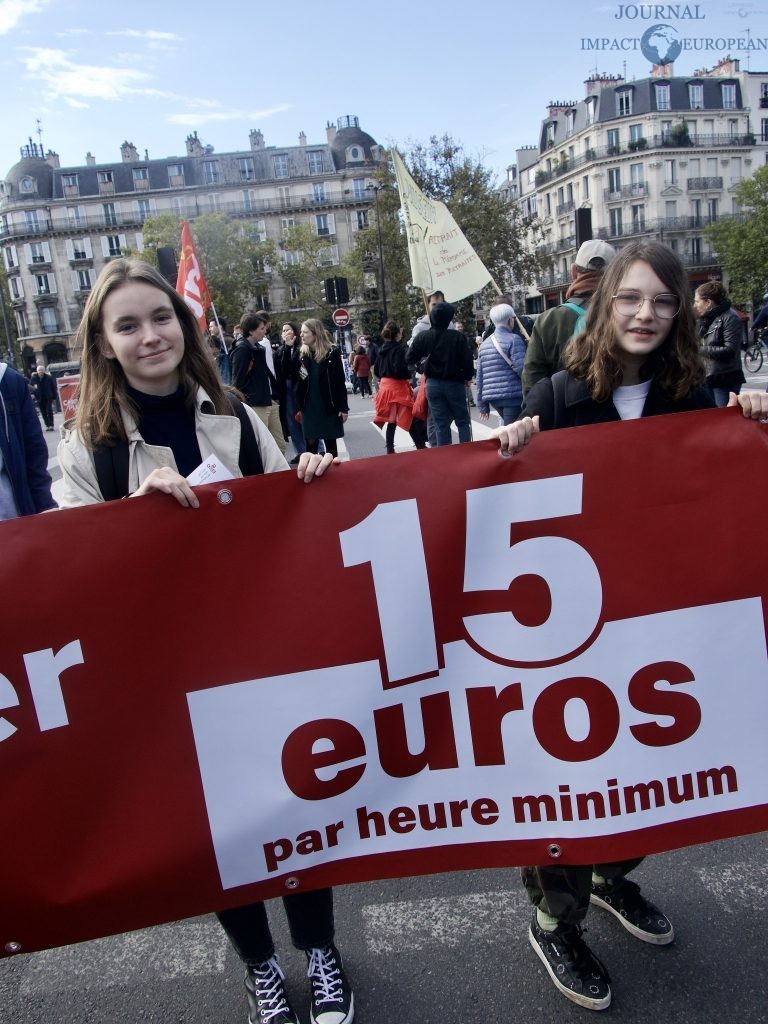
(506, 358)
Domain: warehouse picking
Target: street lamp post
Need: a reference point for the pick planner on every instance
(376, 189)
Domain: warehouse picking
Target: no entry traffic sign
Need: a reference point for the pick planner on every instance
(340, 317)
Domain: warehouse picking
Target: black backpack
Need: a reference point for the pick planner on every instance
(111, 461)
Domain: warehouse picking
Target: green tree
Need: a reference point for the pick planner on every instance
(361, 265)
(9, 346)
(236, 266)
(493, 225)
(306, 262)
(740, 241)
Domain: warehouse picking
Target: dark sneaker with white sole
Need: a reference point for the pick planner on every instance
(571, 964)
(267, 1001)
(640, 917)
(332, 999)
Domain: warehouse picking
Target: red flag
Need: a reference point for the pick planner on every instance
(190, 282)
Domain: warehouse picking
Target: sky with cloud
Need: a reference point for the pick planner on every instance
(92, 75)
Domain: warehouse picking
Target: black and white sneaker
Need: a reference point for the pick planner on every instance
(267, 1001)
(572, 966)
(332, 999)
(640, 917)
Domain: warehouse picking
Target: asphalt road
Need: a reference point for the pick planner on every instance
(443, 949)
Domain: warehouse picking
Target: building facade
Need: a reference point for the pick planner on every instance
(659, 157)
(60, 225)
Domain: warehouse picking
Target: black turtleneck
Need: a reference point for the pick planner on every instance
(166, 420)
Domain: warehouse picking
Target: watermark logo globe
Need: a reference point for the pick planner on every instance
(661, 44)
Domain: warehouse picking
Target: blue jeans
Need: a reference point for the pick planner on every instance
(508, 409)
(721, 395)
(448, 401)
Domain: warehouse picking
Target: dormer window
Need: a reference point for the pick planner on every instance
(355, 153)
(27, 185)
(623, 102)
(696, 95)
(570, 119)
(662, 95)
(591, 108)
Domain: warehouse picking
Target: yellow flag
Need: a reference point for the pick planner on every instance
(440, 255)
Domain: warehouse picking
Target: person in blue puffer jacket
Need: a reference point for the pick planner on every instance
(500, 366)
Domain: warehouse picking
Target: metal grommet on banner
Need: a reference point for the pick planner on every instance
(292, 882)
(13, 947)
(554, 850)
(224, 496)
(505, 454)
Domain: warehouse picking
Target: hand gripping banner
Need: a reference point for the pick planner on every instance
(558, 657)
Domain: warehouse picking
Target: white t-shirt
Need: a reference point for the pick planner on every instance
(630, 399)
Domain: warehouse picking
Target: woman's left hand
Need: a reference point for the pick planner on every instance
(343, 416)
(754, 404)
(311, 466)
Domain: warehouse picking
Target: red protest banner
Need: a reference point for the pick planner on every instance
(190, 281)
(548, 660)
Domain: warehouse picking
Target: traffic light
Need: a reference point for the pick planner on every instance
(329, 291)
(342, 291)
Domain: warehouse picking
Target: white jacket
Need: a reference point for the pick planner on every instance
(216, 434)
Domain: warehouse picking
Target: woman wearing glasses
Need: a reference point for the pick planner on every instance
(638, 356)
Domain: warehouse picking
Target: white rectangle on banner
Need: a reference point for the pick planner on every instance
(640, 775)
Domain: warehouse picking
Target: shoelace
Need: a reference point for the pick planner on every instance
(323, 969)
(583, 957)
(634, 901)
(269, 988)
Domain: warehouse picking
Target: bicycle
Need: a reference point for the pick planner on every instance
(753, 357)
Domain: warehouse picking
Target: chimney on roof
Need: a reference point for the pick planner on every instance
(662, 71)
(194, 145)
(302, 139)
(726, 67)
(257, 139)
(90, 159)
(129, 153)
(597, 82)
(52, 159)
(330, 131)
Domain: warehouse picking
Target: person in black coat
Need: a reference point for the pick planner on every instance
(320, 387)
(639, 356)
(44, 390)
(447, 357)
(721, 332)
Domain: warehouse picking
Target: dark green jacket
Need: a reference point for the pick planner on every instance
(551, 333)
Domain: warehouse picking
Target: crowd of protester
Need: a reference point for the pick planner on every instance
(157, 395)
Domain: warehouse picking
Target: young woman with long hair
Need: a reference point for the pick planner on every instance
(149, 389)
(321, 388)
(638, 356)
(394, 399)
(721, 332)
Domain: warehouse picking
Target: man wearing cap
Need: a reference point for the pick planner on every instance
(555, 328)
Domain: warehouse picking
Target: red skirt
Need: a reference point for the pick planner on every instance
(394, 403)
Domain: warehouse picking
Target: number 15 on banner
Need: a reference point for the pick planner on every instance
(493, 560)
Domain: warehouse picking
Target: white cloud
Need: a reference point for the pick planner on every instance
(12, 11)
(65, 79)
(195, 118)
(69, 33)
(150, 34)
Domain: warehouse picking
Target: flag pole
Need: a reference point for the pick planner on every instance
(222, 339)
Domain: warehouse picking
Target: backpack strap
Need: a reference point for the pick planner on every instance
(111, 462)
(250, 460)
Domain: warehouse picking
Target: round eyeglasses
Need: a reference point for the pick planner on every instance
(665, 305)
